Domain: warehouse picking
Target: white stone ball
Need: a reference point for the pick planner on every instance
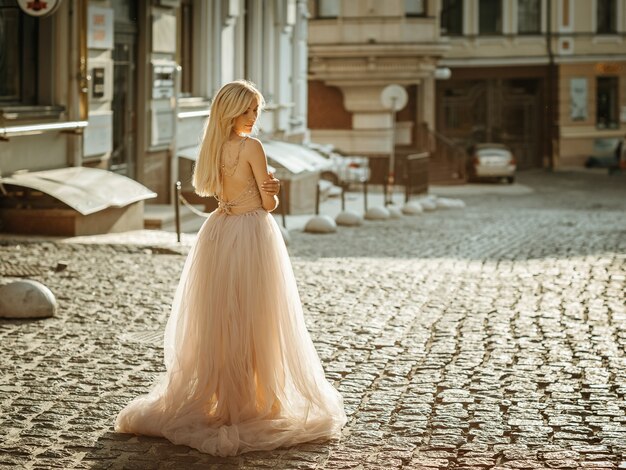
(26, 299)
(412, 208)
(394, 212)
(377, 213)
(349, 219)
(320, 224)
(428, 204)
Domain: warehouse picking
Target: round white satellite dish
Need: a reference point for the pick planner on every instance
(394, 97)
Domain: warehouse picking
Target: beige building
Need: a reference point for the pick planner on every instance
(356, 49)
(547, 77)
(124, 86)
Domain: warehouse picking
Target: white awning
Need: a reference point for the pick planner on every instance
(87, 190)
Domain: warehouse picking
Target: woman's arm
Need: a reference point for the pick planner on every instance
(255, 155)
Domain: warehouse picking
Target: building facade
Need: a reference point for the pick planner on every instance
(546, 77)
(356, 49)
(125, 85)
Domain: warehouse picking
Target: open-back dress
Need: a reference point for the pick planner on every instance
(242, 373)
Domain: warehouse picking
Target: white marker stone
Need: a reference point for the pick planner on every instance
(26, 299)
(320, 224)
(349, 218)
(377, 213)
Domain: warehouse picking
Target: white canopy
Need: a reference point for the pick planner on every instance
(87, 190)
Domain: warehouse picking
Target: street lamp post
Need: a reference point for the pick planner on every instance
(394, 98)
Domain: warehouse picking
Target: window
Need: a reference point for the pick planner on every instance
(606, 103)
(18, 55)
(529, 16)
(452, 18)
(327, 8)
(490, 17)
(414, 7)
(606, 17)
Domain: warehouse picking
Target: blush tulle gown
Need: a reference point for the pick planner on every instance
(242, 373)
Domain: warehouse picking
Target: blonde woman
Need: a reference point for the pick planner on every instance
(241, 370)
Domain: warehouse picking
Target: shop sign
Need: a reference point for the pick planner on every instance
(608, 68)
(39, 8)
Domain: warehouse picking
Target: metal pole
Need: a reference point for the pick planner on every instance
(365, 195)
(407, 179)
(343, 196)
(177, 209)
(392, 156)
(317, 199)
(174, 142)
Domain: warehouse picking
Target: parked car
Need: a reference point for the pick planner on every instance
(344, 169)
(491, 160)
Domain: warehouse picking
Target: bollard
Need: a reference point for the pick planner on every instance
(317, 199)
(177, 187)
(365, 196)
(385, 193)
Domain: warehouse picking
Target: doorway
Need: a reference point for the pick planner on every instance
(503, 110)
(123, 157)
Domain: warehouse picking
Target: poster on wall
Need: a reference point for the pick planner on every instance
(100, 28)
(578, 99)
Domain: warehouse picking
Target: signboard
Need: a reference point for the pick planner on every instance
(98, 134)
(39, 8)
(100, 28)
(578, 99)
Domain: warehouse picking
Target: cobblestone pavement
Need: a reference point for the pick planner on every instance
(492, 337)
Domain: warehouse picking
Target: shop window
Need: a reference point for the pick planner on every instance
(607, 105)
(529, 16)
(452, 17)
(490, 17)
(414, 7)
(327, 8)
(19, 45)
(606, 16)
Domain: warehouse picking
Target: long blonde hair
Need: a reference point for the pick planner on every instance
(230, 102)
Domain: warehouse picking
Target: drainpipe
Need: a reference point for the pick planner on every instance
(551, 83)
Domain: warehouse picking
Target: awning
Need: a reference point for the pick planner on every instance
(305, 155)
(87, 190)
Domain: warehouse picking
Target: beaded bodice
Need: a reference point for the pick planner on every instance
(249, 199)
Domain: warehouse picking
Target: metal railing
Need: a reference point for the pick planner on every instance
(34, 129)
(446, 154)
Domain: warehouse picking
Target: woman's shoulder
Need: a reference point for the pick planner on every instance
(253, 147)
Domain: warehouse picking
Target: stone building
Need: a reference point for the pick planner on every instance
(124, 85)
(356, 49)
(546, 77)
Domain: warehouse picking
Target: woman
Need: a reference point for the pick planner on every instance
(241, 371)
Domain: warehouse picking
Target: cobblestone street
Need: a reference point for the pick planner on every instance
(490, 337)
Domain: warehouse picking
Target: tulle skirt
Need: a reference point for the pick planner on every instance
(242, 373)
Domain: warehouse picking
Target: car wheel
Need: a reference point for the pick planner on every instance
(332, 177)
(511, 179)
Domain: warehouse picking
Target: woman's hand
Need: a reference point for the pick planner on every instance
(271, 186)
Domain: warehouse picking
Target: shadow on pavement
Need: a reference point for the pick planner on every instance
(114, 451)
